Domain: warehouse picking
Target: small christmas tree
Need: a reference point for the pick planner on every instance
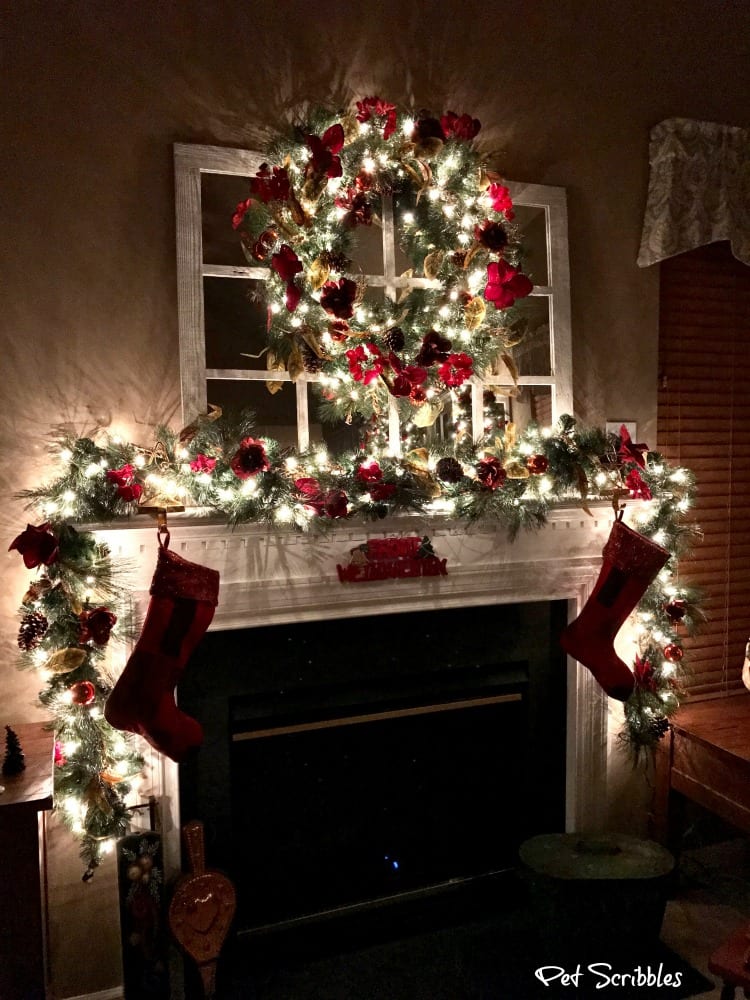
(14, 761)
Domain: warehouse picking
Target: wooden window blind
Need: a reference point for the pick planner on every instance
(704, 424)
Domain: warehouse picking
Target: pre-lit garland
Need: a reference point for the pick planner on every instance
(421, 349)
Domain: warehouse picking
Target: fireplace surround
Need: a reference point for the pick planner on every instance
(274, 576)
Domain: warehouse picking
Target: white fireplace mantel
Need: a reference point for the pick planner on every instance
(274, 575)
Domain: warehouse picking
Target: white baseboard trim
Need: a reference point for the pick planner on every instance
(114, 994)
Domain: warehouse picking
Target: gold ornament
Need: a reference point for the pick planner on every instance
(517, 470)
(416, 464)
(474, 313)
(350, 126)
(65, 660)
(37, 590)
(318, 274)
(427, 414)
(274, 364)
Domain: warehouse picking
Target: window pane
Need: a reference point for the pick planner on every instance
(275, 414)
(532, 221)
(235, 315)
(533, 404)
(339, 437)
(220, 193)
(367, 250)
(532, 352)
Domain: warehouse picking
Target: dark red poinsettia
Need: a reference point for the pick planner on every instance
(382, 491)
(434, 348)
(369, 471)
(96, 625)
(644, 674)
(124, 479)
(357, 208)
(459, 126)
(490, 473)
(333, 503)
(271, 185)
(249, 459)
(324, 148)
(417, 396)
(505, 284)
(629, 451)
(286, 264)
(382, 109)
(339, 330)
(537, 464)
(639, 490)
(37, 545)
(240, 212)
(362, 355)
(337, 298)
(456, 369)
(203, 463)
(491, 235)
(499, 196)
(406, 376)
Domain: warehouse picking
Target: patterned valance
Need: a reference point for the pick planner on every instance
(699, 189)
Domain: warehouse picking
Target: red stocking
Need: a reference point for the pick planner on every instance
(631, 561)
(183, 598)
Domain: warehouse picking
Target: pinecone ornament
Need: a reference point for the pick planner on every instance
(658, 727)
(336, 261)
(394, 338)
(32, 630)
(310, 360)
(449, 470)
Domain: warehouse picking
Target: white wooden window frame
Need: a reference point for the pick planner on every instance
(193, 160)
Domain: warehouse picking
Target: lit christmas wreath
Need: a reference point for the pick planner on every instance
(447, 318)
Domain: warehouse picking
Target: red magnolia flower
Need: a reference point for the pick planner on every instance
(358, 356)
(491, 473)
(124, 479)
(456, 369)
(96, 625)
(501, 201)
(460, 126)
(644, 674)
(249, 459)
(434, 348)
(270, 185)
(286, 263)
(334, 503)
(629, 451)
(337, 298)
(377, 106)
(407, 376)
(203, 463)
(639, 490)
(240, 212)
(37, 545)
(358, 210)
(491, 235)
(324, 149)
(339, 330)
(369, 471)
(505, 284)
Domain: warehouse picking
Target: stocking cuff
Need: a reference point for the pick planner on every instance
(175, 577)
(634, 553)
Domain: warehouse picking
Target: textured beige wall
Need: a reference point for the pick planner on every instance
(96, 92)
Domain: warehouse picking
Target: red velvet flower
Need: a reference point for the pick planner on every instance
(434, 348)
(639, 490)
(334, 503)
(490, 473)
(37, 545)
(491, 235)
(270, 185)
(407, 376)
(240, 212)
(249, 459)
(417, 396)
(460, 126)
(286, 263)
(537, 464)
(456, 369)
(339, 330)
(629, 451)
(377, 106)
(369, 471)
(124, 479)
(337, 298)
(324, 149)
(357, 207)
(501, 200)
(96, 625)
(644, 674)
(382, 491)
(361, 355)
(505, 284)
(203, 463)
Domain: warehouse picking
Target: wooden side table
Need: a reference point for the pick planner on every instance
(23, 911)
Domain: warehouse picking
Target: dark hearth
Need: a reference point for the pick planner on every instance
(367, 764)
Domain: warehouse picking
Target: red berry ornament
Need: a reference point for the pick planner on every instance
(673, 652)
(83, 693)
(676, 609)
(537, 464)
